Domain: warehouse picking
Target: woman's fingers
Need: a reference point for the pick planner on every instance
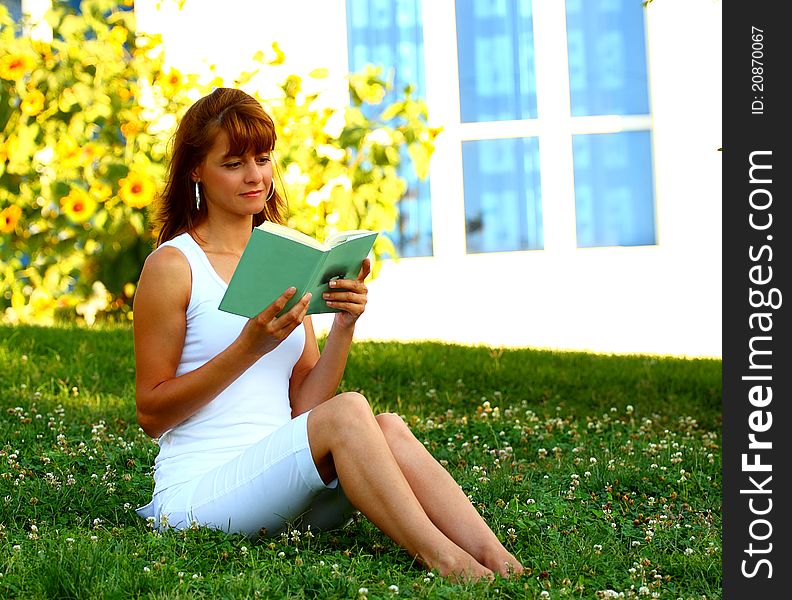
(294, 316)
(269, 313)
(350, 297)
(365, 269)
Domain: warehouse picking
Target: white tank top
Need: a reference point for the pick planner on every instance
(249, 409)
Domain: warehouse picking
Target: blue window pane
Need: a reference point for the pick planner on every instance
(503, 205)
(497, 78)
(614, 189)
(607, 57)
(389, 33)
(14, 9)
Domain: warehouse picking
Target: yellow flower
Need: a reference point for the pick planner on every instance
(33, 103)
(15, 66)
(100, 190)
(129, 128)
(118, 35)
(170, 83)
(9, 217)
(137, 190)
(78, 205)
(42, 304)
(67, 151)
(4, 150)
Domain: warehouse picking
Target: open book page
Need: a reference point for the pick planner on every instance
(292, 234)
(336, 238)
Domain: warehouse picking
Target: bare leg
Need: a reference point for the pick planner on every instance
(347, 442)
(443, 500)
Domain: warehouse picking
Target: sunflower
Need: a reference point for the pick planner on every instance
(15, 66)
(33, 103)
(78, 205)
(137, 190)
(9, 217)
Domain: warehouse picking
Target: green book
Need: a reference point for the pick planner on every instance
(278, 257)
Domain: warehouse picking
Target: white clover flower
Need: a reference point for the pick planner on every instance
(689, 551)
(393, 589)
(146, 569)
(363, 591)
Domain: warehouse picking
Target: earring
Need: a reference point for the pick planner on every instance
(197, 197)
(271, 192)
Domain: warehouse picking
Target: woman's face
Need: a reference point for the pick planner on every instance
(235, 184)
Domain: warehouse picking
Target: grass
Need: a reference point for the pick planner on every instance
(601, 473)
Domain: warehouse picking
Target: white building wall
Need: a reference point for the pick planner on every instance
(663, 299)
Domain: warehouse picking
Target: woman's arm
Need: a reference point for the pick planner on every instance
(315, 378)
(164, 400)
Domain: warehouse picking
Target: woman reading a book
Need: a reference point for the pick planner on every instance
(252, 435)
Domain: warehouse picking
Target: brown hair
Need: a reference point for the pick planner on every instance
(248, 127)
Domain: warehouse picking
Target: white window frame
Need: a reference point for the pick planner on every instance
(554, 127)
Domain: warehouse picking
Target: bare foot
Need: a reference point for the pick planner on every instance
(501, 561)
(462, 568)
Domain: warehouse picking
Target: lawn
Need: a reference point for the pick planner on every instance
(602, 474)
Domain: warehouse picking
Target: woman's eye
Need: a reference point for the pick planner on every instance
(263, 159)
(232, 165)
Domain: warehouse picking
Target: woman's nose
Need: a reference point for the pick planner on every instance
(253, 172)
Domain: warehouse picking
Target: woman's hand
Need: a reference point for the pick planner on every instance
(264, 332)
(349, 295)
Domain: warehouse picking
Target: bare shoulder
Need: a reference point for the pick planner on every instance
(167, 260)
(166, 274)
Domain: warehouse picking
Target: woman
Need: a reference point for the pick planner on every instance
(251, 432)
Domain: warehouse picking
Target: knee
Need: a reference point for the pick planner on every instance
(351, 406)
(392, 425)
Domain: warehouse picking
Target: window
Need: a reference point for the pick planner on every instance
(388, 33)
(613, 189)
(503, 209)
(497, 82)
(614, 199)
(607, 57)
(496, 60)
(548, 105)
